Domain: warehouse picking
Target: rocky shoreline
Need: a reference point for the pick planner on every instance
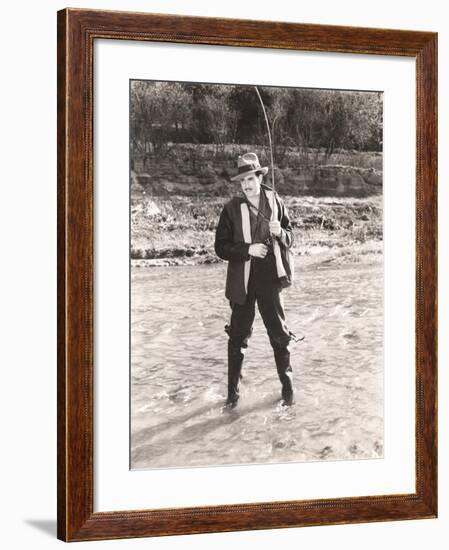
(368, 252)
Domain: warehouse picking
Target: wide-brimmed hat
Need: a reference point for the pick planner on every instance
(248, 164)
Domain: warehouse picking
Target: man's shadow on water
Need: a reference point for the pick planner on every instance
(47, 526)
(228, 416)
(149, 433)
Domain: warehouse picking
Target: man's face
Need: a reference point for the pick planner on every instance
(251, 185)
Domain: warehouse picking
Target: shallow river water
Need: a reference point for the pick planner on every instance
(178, 371)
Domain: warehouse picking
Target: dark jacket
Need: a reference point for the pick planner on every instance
(230, 245)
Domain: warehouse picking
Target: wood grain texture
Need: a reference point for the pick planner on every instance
(426, 274)
(77, 30)
(61, 346)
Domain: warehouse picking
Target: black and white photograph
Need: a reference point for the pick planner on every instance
(256, 274)
(222, 237)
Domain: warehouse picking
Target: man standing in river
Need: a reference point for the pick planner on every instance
(254, 235)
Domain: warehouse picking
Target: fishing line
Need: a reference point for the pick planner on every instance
(271, 148)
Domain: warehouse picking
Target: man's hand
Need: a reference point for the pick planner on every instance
(258, 250)
(275, 228)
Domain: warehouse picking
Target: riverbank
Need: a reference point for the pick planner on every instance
(181, 230)
(194, 169)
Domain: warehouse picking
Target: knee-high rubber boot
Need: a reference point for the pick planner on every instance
(285, 373)
(235, 362)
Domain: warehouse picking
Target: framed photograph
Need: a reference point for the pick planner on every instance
(247, 283)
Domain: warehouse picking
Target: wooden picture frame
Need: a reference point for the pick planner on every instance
(77, 31)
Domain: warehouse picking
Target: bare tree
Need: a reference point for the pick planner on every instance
(158, 110)
(222, 118)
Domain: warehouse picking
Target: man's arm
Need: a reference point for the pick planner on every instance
(225, 247)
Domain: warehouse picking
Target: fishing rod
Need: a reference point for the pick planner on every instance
(292, 335)
(254, 208)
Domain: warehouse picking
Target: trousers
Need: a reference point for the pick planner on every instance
(263, 289)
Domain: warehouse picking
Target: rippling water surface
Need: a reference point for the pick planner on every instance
(178, 371)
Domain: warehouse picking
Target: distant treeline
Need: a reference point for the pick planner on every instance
(164, 113)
